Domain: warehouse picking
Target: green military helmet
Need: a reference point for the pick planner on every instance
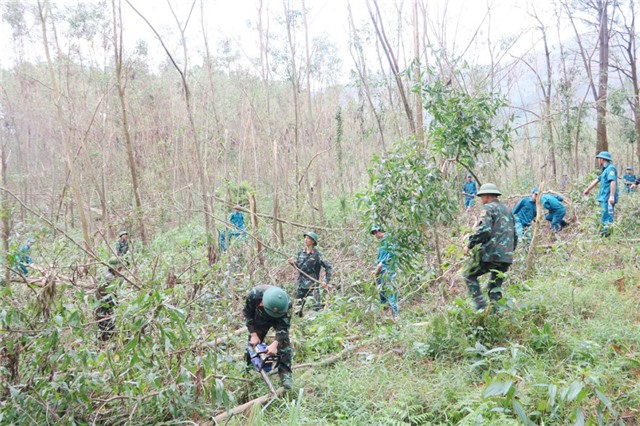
(489, 189)
(375, 228)
(121, 233)
(113, 262)
(313, 236)
(605, 155)
(275, 302)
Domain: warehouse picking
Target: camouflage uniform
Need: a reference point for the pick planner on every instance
(310, 264)
(496, 236)
(258, 321)
(122, 247)
(105, 312)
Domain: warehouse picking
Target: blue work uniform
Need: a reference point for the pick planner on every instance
(470, 189)
(524, 212)
(385, 280)
(629, 180)
(553, 203)
(23, 259)
(609, 174)
(237, 220)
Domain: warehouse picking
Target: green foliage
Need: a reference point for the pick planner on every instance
(408, 195)
(464, 125)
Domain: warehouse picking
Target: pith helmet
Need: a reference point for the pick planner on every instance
(313, 236)
(605, 155)
(535, 190)
(275, 302)
(121, 233)
(113, 262)
(629, 168)
(489, 189)
(375, 228)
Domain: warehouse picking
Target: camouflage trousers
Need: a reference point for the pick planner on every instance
(312, 291)
(494, 287)
(105, 314)
(106, 322)
(285, 353)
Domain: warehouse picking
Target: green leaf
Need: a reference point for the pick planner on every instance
(574, 390)
(579, 415)
(521, 413)
(497, 388)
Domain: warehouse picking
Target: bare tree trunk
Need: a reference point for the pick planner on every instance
(4, 210)
(276, 190)
(62, 125)
(117, 44)
(361, 67)
(602, 143)
(192, 126)
(417, 75)
(295, 86)
(254, 224)
(393, 63)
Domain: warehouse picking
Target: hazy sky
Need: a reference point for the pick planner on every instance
(234, 21)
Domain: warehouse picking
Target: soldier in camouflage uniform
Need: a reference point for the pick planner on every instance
(269, 307)
(122, 246)
(107, 300)
(496, 237)
(308, 263)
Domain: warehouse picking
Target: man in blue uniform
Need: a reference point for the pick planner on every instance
(608, 194)
(629, 181)
(23, 258)
(524, 212)
(469, 189)
(237, 220)
(385, 272)
(553, 203)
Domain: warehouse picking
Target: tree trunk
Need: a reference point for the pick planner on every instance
(603, 80)
(117, 45)
(62, 126)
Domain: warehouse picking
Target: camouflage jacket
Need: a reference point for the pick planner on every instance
(106, 293)
(122, 247)
(310, 264)
(495, 233)
(256, 318)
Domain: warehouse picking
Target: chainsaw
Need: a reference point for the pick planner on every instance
(263, 362)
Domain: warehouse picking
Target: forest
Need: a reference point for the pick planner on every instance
(161, 159)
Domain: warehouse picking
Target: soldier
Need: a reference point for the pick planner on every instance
(496, 237)
(107, 299)
(269, 307)
(469, 189)
(308, 263)
(608, 194)
(629, 180)
(385, 272)
(122, 246)
(22, 258)
(524, 212)
(553, 203)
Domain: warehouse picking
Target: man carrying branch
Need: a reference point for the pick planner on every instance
(496, 237)
(308, 262)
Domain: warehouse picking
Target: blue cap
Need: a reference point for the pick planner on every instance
(605, 155)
